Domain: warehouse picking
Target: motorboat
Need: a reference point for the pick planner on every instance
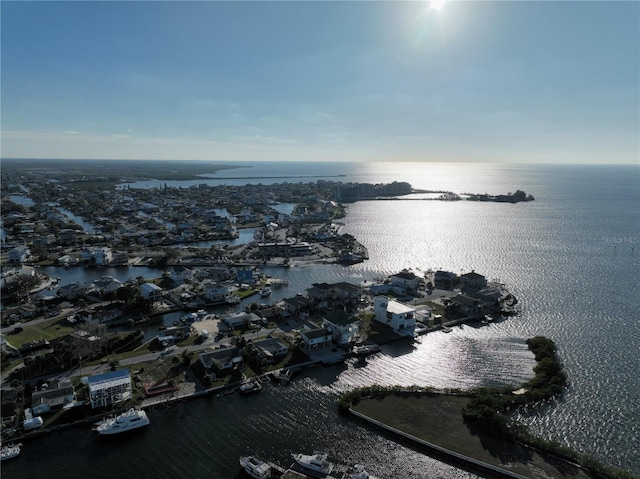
(357, 471)
(10, 451)
(266, 291)
(127, 421)
(314, 462)
(366, 349)
(250, 387)
(255, 467)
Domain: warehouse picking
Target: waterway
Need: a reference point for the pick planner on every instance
(571, 257)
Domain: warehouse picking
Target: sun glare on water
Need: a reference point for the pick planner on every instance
(436, 5)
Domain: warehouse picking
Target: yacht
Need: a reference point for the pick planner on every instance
(255, 467)
(314, 462)
(10, 451)
(132, 419)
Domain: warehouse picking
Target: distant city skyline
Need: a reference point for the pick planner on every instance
(471, 81)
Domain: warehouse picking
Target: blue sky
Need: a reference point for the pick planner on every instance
(506, 81)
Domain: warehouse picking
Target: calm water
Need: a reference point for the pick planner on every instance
(571, 257)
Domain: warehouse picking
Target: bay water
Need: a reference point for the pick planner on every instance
(571, 257)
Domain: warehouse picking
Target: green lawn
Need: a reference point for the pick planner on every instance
(437, 418)
(51, 329)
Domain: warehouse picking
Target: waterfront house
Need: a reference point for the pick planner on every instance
(270, 349)
(316, 340)
(107, 284)
(102, 256)
(108, 388)
(245, 276)
(151, 292)
(444, 279)
(72, 291)
(344, 327)
(297, 304)
(180, 274)
(214, 292)
(239, 319)
(52, 397)
(223, 358)
(398, 316)
(472, 281)
(466, 305)
(19, 254)
(406, 279)
(330, 295)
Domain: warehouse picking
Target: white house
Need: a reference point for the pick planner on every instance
(316, 340)
(242, 318)
(50, 398)
(344, 327)
(102, 256)
(214, 292)
(108, 388)
(107, 284)
(180, 274)
(405, 279)
(72, 291)
(398, 316)
(19, 254)
(151, 292)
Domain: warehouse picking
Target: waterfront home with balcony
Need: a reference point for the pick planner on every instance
(316, 340)
(151, 292)
(108, 388)
(270, 349)
(398, 316)
(344, 327)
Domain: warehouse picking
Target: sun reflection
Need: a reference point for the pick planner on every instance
(436, 5)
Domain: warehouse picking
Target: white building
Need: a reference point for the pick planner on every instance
(345, 328)
(214, 292)
(151, 292)
(108, 388)
(19, 254)
(316, 340)
(398, 316)
(102, 256)
(240, 319)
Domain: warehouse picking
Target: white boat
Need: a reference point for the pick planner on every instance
(10, 451)
(366, 349)
(128, 421)
(357, 471)
(250, 387)
(255, 467)
(314, 462)
(265, 292)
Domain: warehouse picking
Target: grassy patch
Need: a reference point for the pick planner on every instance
(51, 329)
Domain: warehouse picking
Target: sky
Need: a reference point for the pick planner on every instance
(473, 81)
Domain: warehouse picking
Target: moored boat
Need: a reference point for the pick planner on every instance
(255, 467)
(266, 291)
(127, 421)
(10, 451)
(314, 462)
(250, 387)
(357, 471)
(366, 349)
